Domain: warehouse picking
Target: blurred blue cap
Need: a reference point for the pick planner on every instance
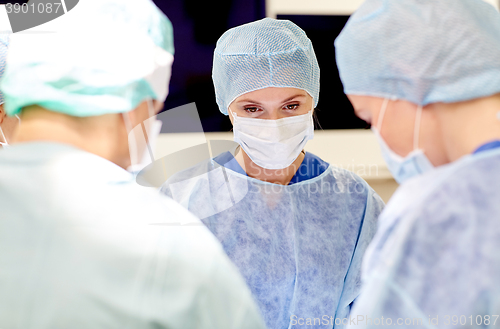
(422, 51)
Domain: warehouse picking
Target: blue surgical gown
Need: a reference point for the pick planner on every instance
(435, 260)
(299, 246)
(83, 246)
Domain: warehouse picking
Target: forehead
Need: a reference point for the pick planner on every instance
(272, 95)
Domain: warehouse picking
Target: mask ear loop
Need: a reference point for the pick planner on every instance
(231, 113)
(382, 114)
(134, 150)
(151, 110)
(3, 135)
(416, 129)
(145, 131)
(133, 147)
(4, 138)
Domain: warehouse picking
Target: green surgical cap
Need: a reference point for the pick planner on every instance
(104, 56)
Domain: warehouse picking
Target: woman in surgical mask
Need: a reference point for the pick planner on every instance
(426, 76)
(295, 226)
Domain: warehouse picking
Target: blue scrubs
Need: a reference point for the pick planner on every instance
(312, 166)
(299, 246)
(488, 146)
(435, 259)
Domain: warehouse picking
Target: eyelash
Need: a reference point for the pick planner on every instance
(295, 106)
(248, 109)
(255, 109)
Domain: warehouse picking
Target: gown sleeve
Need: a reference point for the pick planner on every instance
(438, 264)
(352, 284)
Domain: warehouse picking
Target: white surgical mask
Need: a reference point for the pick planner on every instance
(403, 168)
(5, 143)
(141, 149)
(273, 144)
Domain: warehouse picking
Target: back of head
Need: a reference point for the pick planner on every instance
(106, 56)
(422, 51)
(261, 54)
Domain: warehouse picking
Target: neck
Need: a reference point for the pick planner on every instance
(465, 126)
(279, 176)
(97, 135)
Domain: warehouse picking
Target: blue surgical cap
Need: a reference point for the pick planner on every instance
(104, 56)
(261, 54)
(422, 51)
(4, 43)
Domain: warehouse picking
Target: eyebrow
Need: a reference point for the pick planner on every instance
(296, 96)
(247, 100)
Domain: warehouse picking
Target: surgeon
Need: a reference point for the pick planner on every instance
(7, 124)
(295, 226)
(81, 244)
(426, 76)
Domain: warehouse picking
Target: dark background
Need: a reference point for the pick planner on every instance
(197, 26)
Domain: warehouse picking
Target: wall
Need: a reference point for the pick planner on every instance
(320, 7)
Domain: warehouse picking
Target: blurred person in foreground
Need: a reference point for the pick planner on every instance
(81, 244)
(426, 75)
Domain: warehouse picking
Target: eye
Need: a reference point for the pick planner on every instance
(291, 107)
(251, 109)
